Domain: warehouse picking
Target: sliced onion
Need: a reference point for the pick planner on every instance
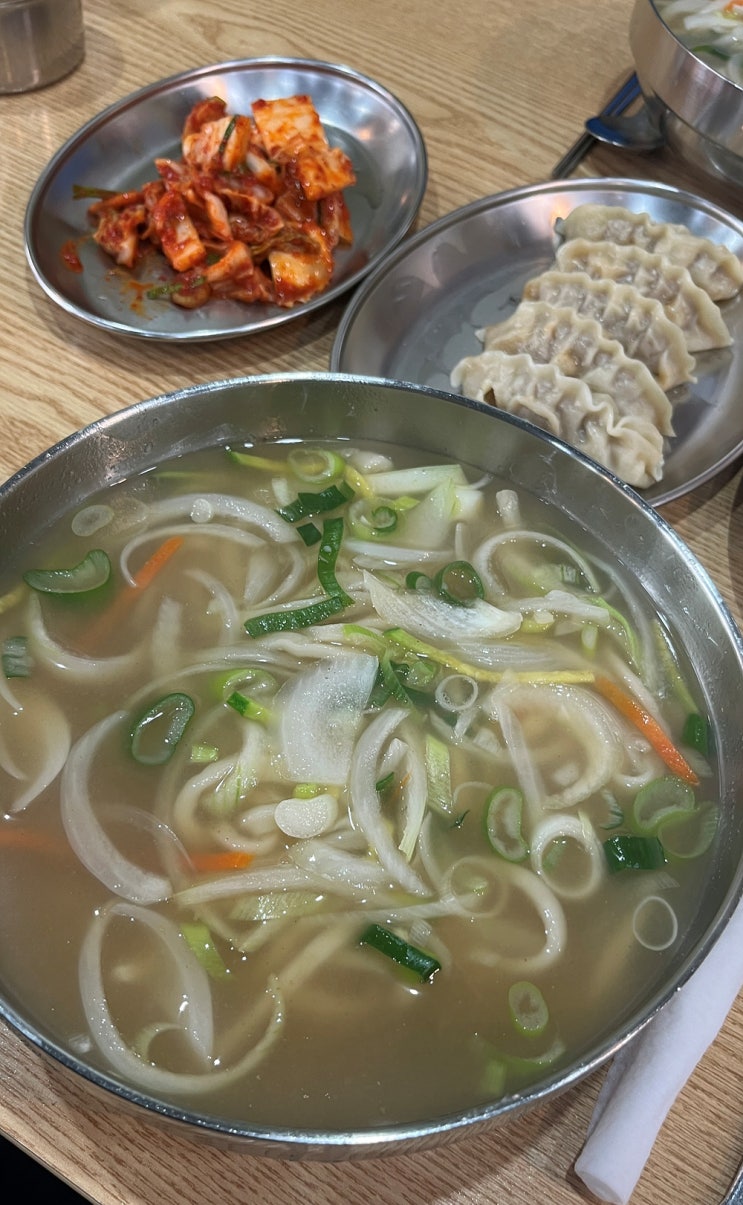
(284, 877)
(551, 913)
(91, 843)
(192, 1003)
(568, 828)
(306, 817)
(222, 602)
(651, 916)
(76, 668)
(336, 868)
(562, 602)
(371, 554)
(414, 798)
(365, 802)
(319, 713)
(565, 708)
(482, 557)
(209, 506)
(48, 735)
(216, 531)
(433, 619)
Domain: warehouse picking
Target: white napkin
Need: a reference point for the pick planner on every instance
(647, 1075)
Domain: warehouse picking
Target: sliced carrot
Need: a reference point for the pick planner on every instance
(649, 726)
(140, 580)
(14, 837)
(154, 564)
(228, 859)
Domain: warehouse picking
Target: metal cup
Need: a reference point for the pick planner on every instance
(40, 41)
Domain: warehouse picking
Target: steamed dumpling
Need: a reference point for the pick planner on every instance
(712, 266)
(579, 348)
(629, 445)
(684, 302)
(639, 323)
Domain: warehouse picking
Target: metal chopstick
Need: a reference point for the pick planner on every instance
(629, 91)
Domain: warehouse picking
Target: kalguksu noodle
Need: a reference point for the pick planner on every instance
(340, 788)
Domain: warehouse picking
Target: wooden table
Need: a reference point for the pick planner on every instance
(500, 90)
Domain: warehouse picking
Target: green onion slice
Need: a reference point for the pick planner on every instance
(314, 465)
(252, 460)
(226, 136)
(528, 1008)
(629, 852)
(696, 734)
(503, 812)
(327, 555)
(423, 965)
(16, 659)
(383, 784)
(416, 580)
(174, 286)
(459, 583)
(296, 618)
(662, 799)
(690, 835)
(157, 731)
(93, 571)
(253, 677)
(306, 505)
(248, 707)
(309, 533)
(199, 941)
(439, 794)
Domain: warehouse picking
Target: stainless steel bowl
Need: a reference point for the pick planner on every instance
(322, 406)
(699, 110)
(40, 42)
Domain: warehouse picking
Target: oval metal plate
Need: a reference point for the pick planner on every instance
(417, 314)
(117, 149)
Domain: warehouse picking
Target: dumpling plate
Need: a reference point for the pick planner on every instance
(418, 313)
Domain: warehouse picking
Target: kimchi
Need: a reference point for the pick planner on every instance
(253, 210)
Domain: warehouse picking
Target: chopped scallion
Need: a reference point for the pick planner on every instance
(696, 734)
(306, 504)
(663, 799)
(16, 659)
(385, 783)
(332, 536)
(438, 776)
(157, 731)
(503, 811)
(314, 465)
(691, 834)
(174, 286)
(199, 941)
(423, 965)
(309, 533)
(226, 136)
(458, 583)
(528, 1008)
(93, 571)
(247, 707)
(628, 852)
(292, 620)
(202, 754)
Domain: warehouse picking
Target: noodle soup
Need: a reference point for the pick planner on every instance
(340, 788)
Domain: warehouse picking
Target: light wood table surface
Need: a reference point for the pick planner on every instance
(500, 90)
